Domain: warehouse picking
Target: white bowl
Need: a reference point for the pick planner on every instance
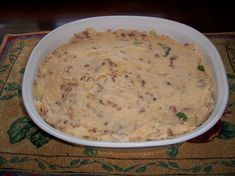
(180, 32)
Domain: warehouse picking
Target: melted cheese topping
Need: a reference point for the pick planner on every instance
(124, 86)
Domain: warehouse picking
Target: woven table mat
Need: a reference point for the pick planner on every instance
(25, 149)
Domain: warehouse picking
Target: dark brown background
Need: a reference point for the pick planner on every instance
(205, 16)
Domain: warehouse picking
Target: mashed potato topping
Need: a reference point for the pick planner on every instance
(124, 86)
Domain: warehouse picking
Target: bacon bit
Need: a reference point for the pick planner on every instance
(65, 52)
(143, 35)
(109, 102)
(123, 52)
(111, 63)
(50, 72)
(100, 87)
(106, 123)
(141, 59)
(94, 130)
(142, 110)
(101, 102)
(173, 109)
(72, 123)
(43, 111)
(126, 76)
(66, 122)
(88, 105)
(103, 63)
(131, 34)
(106, 131)
(68, 68)
(67, 88)
(168, 83)
(173, 58)
(143, 83)
(156, 55)
(87, 65)
(141, 97)
(119, 108)
(186, 44)
(123, 35)
(114, 105)
(94, 47)
(169, 132)
(154, 98)
(58, 103)
(86, 33)
(171, 64)
(76, 124)
(86, 78)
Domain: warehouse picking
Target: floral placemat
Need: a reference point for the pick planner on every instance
(27, 150)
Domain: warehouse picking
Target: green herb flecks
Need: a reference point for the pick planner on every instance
(137, 42)
(181, 116)
(153, 33)
(101, 102)
(166, 49)
(201, 68)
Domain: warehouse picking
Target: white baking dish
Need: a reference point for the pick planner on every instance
(180, 32)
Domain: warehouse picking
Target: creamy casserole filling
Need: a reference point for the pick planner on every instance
(124, 85)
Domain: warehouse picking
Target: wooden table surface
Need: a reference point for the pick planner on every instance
(205, 16)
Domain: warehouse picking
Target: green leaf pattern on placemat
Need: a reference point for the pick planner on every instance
(22, 71)
(12, 89)
(227, 131)
(173, 150)
(231, 82)
(12, 54)
(205, 168)
(24, 128)
(3, 68)
(90, 151)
